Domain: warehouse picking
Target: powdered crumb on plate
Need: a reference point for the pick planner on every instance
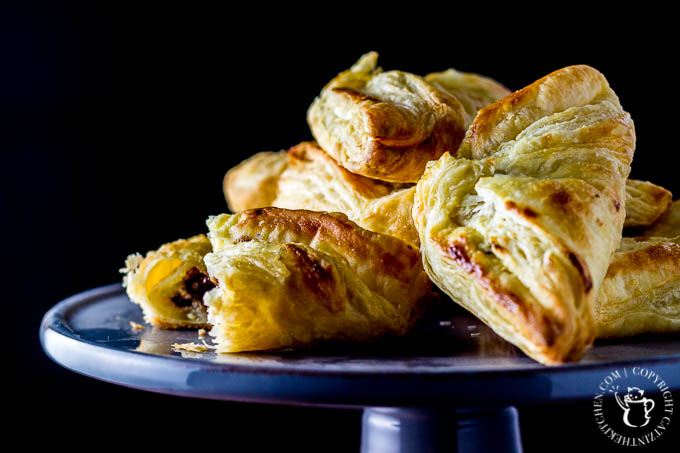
(136, 326)
(201, 332)
(192, 347)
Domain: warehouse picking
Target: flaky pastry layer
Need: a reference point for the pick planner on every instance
(473, 91)
(668, 225)
(252, 183)
(314, 181)
(521, 227)
(308, 178)
(645, 203)
(293, 278)
(641, 291)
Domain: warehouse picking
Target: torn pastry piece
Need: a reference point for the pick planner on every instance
(641, 292)
(521, 227)
(292, 278)
(252, 183)
(385, 125)
(169, 283)
(668, 225)
(645, 203)
(474, 91)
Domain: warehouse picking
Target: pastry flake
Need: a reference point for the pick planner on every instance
(385, 125)
(521, 227)
(291, 278)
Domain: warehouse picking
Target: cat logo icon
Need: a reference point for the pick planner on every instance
(636, 407)
(633, 406)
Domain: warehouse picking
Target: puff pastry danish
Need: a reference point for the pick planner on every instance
(252, 183)
(169, 283)
(521, 228)
(645, 203)
(641, 291)
(668, 225)
(314, 181)
(474, 91)
(292, 278)
(385, 125)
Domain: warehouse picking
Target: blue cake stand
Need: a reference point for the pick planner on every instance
(450, 386)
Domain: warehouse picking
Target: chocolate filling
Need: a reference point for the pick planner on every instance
(196, 284)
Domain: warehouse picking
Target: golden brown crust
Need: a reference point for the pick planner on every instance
(641, 292)
(522, 235)
(385, 125)
(371, 254)
(502, 121)
(292, 278)
(645, 203)
(252, 183)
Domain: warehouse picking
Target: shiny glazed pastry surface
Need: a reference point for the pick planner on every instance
(385, 125)
(520, 228)
(169, 283)
(293, 278)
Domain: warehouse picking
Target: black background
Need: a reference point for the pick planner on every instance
(117, 123)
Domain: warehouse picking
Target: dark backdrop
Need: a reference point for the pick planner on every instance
(117, 124)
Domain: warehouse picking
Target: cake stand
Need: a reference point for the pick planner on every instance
(449, 386)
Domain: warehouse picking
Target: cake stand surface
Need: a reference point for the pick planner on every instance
(450, 386)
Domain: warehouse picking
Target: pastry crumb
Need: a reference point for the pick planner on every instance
(136, 326)
(192, 347)
(201, 332)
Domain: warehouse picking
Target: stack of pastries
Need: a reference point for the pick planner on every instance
(514, 204)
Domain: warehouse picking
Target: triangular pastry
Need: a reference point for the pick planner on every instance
(521, 226)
